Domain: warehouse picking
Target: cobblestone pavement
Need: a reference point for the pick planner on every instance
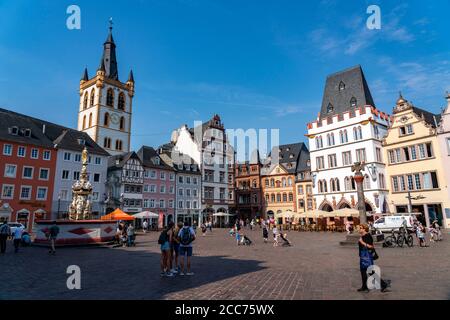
(316, 267)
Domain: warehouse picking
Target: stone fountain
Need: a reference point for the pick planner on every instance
(79, 228)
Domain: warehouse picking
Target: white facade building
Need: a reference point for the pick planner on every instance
(348, 129)
(206, 145)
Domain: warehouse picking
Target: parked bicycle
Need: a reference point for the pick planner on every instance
(399, 238)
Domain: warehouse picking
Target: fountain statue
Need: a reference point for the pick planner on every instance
(80, 208)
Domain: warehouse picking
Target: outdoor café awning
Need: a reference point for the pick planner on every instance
(146, 215)
(285, 214)
(117, 215)
(346, 212)
(222, 214)
(315, 214)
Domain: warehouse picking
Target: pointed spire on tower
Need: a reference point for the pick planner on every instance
(85, 76)
(130, 77)
(109, 56)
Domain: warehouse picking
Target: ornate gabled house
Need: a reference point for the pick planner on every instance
(414, 165)
(278, 178)
(206, 144)
(125, 183)
(106, 103)
(348, 129)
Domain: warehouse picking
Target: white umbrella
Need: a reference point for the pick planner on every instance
(146, 215)
(222, 214)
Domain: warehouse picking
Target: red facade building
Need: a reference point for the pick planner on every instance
(27, 169)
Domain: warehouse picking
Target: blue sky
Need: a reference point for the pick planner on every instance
(259, 64)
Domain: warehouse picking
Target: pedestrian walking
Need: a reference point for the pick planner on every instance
(17, 238)
(367, 255)
(52, 235)
(187, 236)
(265, 232)
(275, 235)
(420, 232)
(5, 232)
(203, 228)
(145, 226)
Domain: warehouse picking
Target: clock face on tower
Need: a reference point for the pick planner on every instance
(114, 118)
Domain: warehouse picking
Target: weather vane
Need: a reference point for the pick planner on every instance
(110, 23)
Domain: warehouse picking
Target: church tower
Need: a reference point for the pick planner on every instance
(106, 103)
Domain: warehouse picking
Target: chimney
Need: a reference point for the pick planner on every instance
(43, 128)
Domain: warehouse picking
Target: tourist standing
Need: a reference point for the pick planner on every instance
(53, 234)
(164, 241)
(4, 234)
(17, 238)
(420, 232)
(187, 236)
(175, 248)
(275, 235)
(130, 235)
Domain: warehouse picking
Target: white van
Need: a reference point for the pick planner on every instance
(387, 223)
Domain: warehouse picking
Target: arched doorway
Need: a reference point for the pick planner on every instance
(344, 205)
(369, 208)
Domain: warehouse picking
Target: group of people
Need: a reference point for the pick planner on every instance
(176, 243)
(421, 231)
(20, 237)
(206, 226)
(279, 238)
(125, 234)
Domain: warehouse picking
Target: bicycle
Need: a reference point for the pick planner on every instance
(399, 238)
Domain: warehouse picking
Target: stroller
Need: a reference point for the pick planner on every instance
(286, 242)
(246, 241)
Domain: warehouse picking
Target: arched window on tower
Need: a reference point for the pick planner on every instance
(84, 122)
(332, 186)
(338, 187)
(85, 100)
(110, 98)
(107, 142)
(119, 145)
(353, 102)
(92, 98)
(366, 182)
(90, 120)
(122, 123)
(121, 103)
(330, 108)
(106, 120)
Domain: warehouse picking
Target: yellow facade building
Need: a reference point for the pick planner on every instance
(414, 166)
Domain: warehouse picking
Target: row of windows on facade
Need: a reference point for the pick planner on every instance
(25, 192)
(109, 99)
(343, 137)
(27, 172)
(153, 203)
(106, 121)
(65, 175)
(8, 150)
(65, 195)
(209, 176)
(416, 181)
(411, 153)
(208, 193)
(271, 183)
(349, 184)
(279, 197)
(346, 158)
(247, 199)
(77, 158)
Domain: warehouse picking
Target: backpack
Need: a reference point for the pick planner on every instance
(186, 237)
(163, 237)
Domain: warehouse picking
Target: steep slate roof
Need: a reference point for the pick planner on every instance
(293, 157)
(355, 86)
(119, 160)
(166, 156)
(428, 116)
(148, 157)
(55, 136)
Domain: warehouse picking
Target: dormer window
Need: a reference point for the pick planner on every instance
(157, 161)
(341, 86)
(27, 132)
(353, 102)
(81, 142)
(291, 156)
(330, 108)
(14, 130)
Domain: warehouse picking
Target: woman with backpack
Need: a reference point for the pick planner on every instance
(165, 238)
